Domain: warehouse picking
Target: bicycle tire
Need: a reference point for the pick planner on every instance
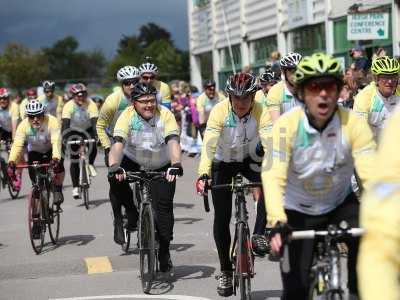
(14, 194)
(53, 220)
(37, 244)
(243, 268)
(147, 249)
(127, 233)
(85, 185)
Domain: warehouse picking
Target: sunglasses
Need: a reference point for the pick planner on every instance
(148, 77)
(129, 82)
(80, 94)
(31, 117)
(4, 98)
(388, 78)
(48, 91)
(316, 86)
(146, 102)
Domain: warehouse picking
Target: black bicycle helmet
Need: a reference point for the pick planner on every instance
(141, 89)
(241, 85)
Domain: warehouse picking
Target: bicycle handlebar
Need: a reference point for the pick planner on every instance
(33, 165)
(144, 175)
(235, 186)
(80, 142)
(310, 234)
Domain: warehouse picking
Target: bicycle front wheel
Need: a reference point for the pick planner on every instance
(147, 247)
(85, 183)
(53, 219)
(318, 289)
(13, 193)
(244, 262)
(36, 221)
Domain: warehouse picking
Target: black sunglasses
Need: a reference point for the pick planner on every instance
(129, 82)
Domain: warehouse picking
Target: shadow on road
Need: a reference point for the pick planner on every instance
(133, 249)
(188, 220)
(78, 240)
(183, 205)
(188, 272)
(180, 247)
(95, 203)
(264, 295)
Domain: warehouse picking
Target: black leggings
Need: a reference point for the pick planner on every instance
(296, 283)
(222, 173)
(162, 193)
(74, 152)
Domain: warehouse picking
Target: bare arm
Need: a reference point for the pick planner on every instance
(115, 156)
(174, 151)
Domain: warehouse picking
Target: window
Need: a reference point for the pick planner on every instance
(201, 3)
(263, 48)
(206, 65)
(226, 58)
(310, 39)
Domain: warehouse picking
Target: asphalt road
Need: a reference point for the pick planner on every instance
(62, 271)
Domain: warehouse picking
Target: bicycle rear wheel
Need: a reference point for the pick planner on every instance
(35, 215)
(147, 247)
(53, 219)
(318, 289)
(243, 264)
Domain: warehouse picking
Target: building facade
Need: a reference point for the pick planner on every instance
(229, 35)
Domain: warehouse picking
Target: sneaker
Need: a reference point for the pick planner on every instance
(119, 236)
(165, 262)
(92, 171)
(260, 245)
(225, 286)
(75, 193)
(36, 230)
(58, 198)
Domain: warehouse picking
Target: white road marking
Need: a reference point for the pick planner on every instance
(143, 296)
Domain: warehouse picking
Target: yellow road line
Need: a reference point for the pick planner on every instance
(98, 265)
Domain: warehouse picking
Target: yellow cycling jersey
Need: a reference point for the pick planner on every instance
(53, 106)
(260, 97)
(146, 140)
(112, 108)
(164, 92)
(229, 138)
(8, 116)
(371, 105)
(80, 116)
(310, 171)
(22, 107)
(42, 139)
(379, 255)
(279, 98)
(204, 105)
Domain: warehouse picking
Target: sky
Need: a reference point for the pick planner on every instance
(96, 24)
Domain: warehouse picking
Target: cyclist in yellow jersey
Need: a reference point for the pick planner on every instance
(377, 101)
(280, 97)
(266, 81)
(52, 102)
(206, 101)
(79, 119)
(31, 94)
(307, 179)
(146, 138)
(230, 146)
(379, 258)
(39, 134)
(114, 105)
(148, 73)
(8, 115)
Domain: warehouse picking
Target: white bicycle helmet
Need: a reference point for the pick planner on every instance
(48, 85)
(127, 72)
(34, 107)
(148, 67)
(290, 60)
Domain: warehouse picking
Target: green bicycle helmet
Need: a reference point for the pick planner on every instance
(385, 66)
(317, 65)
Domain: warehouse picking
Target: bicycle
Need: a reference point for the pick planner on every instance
(41, 209)
(5, 179)
(84, 174)
(242, 253)
(326, 269)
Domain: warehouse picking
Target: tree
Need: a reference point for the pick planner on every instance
(66, 62)
(22, 68)
(151, 32)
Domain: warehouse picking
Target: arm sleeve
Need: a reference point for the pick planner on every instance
(121, 128)
(211, 136)
(67, 111)
(60, 105)
(171, 127)
(106, 116)
(363, 148)
(93, 111)
(362, 102)
(277, 147)
(18, 144)
(55, 137)
(14, 112)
